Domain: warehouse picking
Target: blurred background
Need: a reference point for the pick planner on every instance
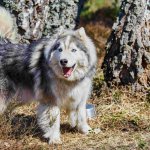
(98, 17)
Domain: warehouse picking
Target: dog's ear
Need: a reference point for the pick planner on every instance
(81, 33)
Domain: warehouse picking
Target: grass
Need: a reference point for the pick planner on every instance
(123, 116)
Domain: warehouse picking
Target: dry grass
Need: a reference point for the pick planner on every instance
(122, 115)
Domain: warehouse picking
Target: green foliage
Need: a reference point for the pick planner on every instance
(114, 9)
(142, 144)
(91, 6)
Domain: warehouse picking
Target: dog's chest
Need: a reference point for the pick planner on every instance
(70, 94)
(66, 93)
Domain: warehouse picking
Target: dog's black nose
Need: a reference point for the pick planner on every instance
(63, 62)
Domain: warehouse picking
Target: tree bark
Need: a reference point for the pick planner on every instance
(127, 59)
(37, 18)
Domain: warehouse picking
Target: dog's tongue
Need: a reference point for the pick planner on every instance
(67, 71)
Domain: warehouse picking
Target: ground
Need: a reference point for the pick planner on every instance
(123, 115)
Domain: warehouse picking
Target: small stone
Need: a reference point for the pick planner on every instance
(6, 144)
(97, 130)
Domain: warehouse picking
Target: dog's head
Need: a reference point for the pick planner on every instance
(72, 55)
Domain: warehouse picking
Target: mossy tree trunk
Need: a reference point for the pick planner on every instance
(127, 59)
(37, 18)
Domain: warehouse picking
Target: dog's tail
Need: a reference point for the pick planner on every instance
(7, 25)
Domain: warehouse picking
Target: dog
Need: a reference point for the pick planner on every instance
(57, 72)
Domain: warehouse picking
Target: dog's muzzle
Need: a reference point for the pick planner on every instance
(63, 62)
(67, 71)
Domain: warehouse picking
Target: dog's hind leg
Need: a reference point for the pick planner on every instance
(49, 121)
(4, 92)
(3, 102)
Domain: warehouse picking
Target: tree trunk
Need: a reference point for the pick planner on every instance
(127, 59)
(37, 18)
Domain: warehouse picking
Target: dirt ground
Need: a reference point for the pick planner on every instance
(122, 120)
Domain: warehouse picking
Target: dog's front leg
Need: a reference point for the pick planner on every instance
(73, 117)
(82, 124)
(49, 121)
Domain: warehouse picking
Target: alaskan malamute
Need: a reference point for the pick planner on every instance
(57, 72)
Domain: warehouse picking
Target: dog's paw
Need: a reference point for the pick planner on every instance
(54, 137)
(55, 140)
(85, 129)
(73, 124)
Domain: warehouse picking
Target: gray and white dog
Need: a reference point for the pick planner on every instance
(57, 72)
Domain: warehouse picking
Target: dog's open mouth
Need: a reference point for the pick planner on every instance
(67, 71)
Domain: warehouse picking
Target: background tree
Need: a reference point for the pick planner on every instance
(127, 57)
(37, 18)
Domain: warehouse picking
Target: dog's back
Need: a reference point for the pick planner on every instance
(13, 69)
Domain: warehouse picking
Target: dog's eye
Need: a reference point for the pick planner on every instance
(73, 50)
(60, 50)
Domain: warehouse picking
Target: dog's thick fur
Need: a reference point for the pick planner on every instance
(57, 72)
(7, 25)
